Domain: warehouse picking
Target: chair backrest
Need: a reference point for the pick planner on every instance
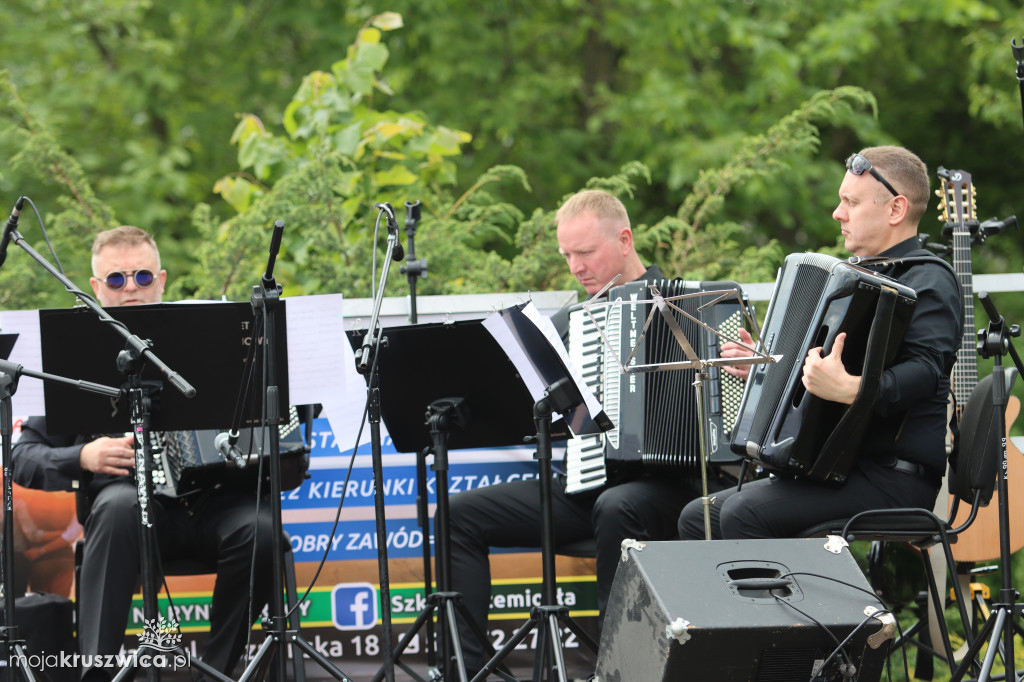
(980, 444)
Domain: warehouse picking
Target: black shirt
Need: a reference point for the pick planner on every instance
(910, 414)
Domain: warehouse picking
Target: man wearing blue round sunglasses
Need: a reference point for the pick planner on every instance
(126, 268)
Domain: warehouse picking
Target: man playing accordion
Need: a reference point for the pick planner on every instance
(902, 457)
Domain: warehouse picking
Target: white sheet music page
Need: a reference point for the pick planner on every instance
(500, 325)
(28, 399)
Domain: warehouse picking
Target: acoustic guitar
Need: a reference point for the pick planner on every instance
(980, 542)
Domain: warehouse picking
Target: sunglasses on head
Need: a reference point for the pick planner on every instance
(117, 280)
(857, 164)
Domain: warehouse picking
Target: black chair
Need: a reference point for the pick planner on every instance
(971, 479)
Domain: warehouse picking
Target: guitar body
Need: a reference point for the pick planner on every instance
(980, 542)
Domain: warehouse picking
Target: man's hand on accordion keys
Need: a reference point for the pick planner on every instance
(826, 376)
(114, 456)
(731, 349)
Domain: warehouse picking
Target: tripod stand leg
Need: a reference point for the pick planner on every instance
(423, 518)
(319, 658)
(257, 664)
(205, 667)
(21, 657)
(298, 665)
(994, 646)
(580, 633)
(424, 617)
(549, 643)
(454, 643)
(518, 636)
(970, 658)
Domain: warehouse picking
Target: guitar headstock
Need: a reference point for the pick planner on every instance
(957, 201)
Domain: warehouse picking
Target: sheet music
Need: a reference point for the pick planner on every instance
(28, 399)
(320, 362)
(317, 358)
(544, 323)
(500, 325)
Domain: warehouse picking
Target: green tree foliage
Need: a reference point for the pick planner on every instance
(340, 154)
(79, 215)
(144, 95)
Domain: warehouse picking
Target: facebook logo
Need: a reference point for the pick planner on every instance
(354, 606)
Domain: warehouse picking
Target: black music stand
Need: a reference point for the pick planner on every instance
(464, 407)
(217, 363)
(564, 393)
(211, 339)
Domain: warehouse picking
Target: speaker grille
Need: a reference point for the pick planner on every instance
(786, 665)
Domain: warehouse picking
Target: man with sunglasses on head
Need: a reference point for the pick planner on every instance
(218, 530)
(902, 457)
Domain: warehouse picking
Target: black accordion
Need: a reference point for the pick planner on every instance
(815, 298)
(188, 462)
(653, 413)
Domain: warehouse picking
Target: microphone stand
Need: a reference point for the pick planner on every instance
(549, 660)
(266, 299)
(1007, 611)
(413, 268)
(366, 363)
(129, 361)
(13, 645)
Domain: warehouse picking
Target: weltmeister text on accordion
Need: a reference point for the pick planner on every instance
(654, 414)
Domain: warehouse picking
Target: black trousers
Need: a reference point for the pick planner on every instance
(509, 515)
(785, 507)
(220, 533)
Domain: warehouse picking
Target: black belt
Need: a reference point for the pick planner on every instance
(912, 468)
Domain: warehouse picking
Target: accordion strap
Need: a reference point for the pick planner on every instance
(843, 445)
(911, 258)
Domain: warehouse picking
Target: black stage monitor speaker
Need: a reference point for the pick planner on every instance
(752, 610)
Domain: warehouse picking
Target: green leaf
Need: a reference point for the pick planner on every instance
(396, 175)
(387, 21)
(371, 55)
(238, 192)
(346, 141)
(359, 78)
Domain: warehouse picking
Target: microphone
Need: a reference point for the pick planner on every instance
(398, 253)
(12, 225)
(225, 444)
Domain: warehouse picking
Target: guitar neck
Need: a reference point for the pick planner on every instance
(957, 209)
(965, 371)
